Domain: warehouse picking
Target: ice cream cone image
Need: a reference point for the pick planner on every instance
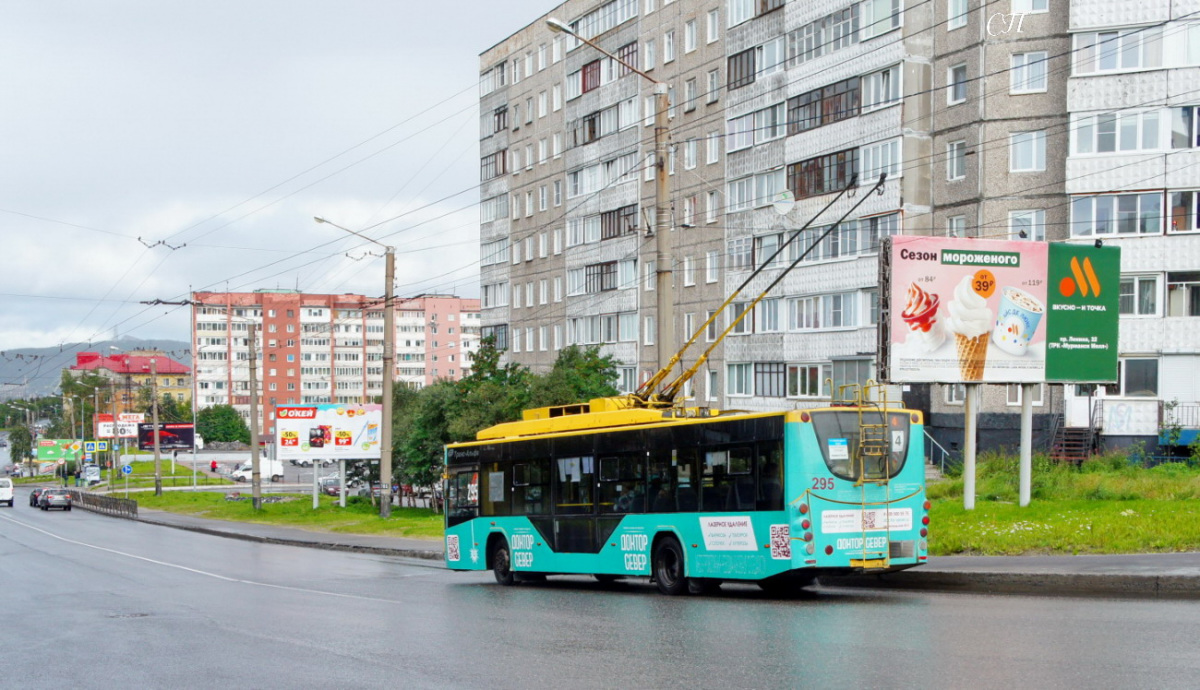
(972, 355)
(971, 323)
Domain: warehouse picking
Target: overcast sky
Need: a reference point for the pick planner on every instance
(154, 147)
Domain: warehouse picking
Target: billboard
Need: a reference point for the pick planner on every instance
(999, 311)
(127, 425)
(328, 431)
(171, 436)
(54, 449)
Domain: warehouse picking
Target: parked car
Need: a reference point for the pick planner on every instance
(330, 486)
(6, 491)
(55, 498)
(271, 470)
(33, 495)
(376, 490)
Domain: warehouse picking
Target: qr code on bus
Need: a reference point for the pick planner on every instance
(869, 519)
(781, 542)
(452, 547)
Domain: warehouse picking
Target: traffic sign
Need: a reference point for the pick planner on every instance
(126, 469)
(89, 446)
(101, 445)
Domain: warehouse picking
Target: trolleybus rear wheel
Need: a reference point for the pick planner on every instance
(502, 564)
(668, 567)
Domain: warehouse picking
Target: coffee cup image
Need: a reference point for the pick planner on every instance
(1017, 320)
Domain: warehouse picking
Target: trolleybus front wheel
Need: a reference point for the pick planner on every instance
(502, 564)
(668, 567)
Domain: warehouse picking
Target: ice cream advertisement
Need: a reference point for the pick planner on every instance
(328, 431)
(966, 310)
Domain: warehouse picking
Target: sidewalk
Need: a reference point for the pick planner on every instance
(1142, 575)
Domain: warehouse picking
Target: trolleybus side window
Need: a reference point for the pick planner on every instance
(770, 476)
(531, 488)
(576, 478)
(462, 500)
(623, 484)
(494, 490)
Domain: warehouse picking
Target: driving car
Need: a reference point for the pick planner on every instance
(33, 495)
(6, 491)
(55, 498)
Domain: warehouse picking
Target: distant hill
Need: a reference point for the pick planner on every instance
(36, 371)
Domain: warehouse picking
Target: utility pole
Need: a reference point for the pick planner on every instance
(154, 423)
(255, 472)
(389, 355)
(664, 271)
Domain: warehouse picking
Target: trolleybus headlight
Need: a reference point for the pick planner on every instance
(805, 524)
(809, 548)
(829, 550)
(804, 509)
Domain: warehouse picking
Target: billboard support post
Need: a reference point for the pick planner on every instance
(971, 411)
(1026, 470)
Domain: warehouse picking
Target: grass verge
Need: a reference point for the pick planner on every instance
(295, 510)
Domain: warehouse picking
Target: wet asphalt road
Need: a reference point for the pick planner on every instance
(98, 602)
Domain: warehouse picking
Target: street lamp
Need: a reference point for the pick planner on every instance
(389, 350)
(664, 283)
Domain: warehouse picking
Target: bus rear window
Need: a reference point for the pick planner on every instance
(840, 433)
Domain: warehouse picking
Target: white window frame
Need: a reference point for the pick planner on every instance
(1033, 221)
(951, 84)
(1136, 281)
(956, 160)
(1036, 141)
(956, 14)
(1029, 73)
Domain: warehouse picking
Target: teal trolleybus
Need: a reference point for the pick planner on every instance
(690, 497)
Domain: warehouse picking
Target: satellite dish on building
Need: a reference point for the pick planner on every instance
(783, 202)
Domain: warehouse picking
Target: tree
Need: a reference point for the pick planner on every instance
(491, 394)
(21, 442)
(579, 374)
(422, 428)
(222, 423)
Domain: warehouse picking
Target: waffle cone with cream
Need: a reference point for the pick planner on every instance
(972, 356)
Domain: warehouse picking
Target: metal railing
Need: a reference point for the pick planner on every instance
(107, 505)
(936, 455)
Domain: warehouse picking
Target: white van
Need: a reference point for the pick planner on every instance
(269, 469)
(6, 491)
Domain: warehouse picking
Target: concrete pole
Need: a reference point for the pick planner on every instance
(154, 424)
(665, 278)
(970, 411)
(1026, 469)
(389, 355)
(255, 472)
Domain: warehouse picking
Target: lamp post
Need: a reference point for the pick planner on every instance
(389, 353)
(664, 270)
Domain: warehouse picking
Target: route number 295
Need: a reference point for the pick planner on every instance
(822, 483)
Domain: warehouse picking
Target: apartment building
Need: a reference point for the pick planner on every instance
(323, 348)
(129, 372)
(996, 120)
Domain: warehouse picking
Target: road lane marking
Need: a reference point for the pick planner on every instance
(197, 571)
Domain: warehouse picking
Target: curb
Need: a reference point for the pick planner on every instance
(328, 546)
(1052, 584)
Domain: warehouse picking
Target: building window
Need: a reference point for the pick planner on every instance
(1014, 394)
(1028, 74)
(668, 47)
(1123, 214)
(1113, 132)
(770, 379)
(879, 17)
(738, 381)
(956, 160)
(803, 381)
(741, 69)
(1185, 123)
(714, 86)
(712, 266)
(956, 11)
(1138, 377)
(1030, 6)
(710, 207)
(689, 271)
(1111, 51)
(710, 333)
(689, 36)
(690, 92)
(713, 26)
(823, 106)
(1032, 223)
(881, 88)
(1185, 211)
(956, 393)
(956, 84)
(1183, 293)
(956, 226)
(1139, 296)
(1027, 151)
(822, 175)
